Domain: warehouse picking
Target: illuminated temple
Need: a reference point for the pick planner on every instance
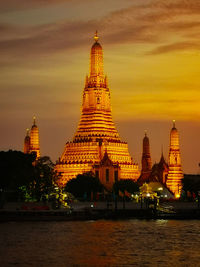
(96, 145)
(31, 141)
(175, 174)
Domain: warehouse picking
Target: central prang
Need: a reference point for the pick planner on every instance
(96, 145)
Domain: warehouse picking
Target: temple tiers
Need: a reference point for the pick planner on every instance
(96, 133)
(175, 174)
(96, 118)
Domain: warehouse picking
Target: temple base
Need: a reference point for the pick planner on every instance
(109, 161)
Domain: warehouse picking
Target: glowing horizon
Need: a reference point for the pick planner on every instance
(151, 57)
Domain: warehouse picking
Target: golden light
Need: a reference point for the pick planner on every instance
(96, 145)
(31, 141)
(175, 173)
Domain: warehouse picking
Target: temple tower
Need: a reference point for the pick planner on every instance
(146, 160)
(175, 174)
(96, 133)
(27, 142)
(163, 169)
(146, 157)
(31, 141)
(96, 118)
(34, 139)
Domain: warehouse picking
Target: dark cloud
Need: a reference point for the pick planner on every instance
(150, 23)
(157, 22)
(45, 39)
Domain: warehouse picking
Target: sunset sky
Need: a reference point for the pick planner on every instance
(151, 57)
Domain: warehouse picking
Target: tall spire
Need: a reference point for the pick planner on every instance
(96, 134)
(96, 38)
(146, 157)
(27, 142)
(175, 173)
(96, 58)
(146, 160)
(174, 138)
(34, 138)
(34, 119)
(96, 117)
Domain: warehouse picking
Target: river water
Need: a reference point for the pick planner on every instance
(100, 243)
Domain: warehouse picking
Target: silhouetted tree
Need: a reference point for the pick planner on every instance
(191, 183)
(125, 185)
(83, 185)
(16, 169)
(44, 178)
(20, 173)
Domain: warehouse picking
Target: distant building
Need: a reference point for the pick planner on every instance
(107, 171)
(31, 141)
(159, 171)
(169, 175)
(96, 145)
(146, 161)
(175, 174)
(27, 142)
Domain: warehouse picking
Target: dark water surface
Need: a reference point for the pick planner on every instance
(100, 243)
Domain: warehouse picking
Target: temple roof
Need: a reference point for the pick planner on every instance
(174, 127)
(34, 126)
(106, 161)
(97, 46)
(146, 140)
(96, 58)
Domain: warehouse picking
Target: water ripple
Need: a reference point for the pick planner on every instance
(100, 243)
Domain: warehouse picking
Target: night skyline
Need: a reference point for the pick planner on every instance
(151, 57)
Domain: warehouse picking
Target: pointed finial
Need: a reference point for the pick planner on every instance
(162, 150)
(96, 38)
(27, 131)
(145, 133)
(174, 124)
(34, 118)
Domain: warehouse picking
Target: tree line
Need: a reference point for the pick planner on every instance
(23, 178)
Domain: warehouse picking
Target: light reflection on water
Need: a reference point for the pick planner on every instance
(100, 243)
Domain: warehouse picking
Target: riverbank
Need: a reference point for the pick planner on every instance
(102, 210)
